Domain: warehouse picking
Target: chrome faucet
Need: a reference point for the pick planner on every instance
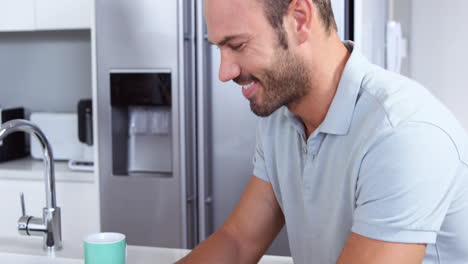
(49, 226)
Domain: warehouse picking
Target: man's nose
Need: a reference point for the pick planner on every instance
(228, 70)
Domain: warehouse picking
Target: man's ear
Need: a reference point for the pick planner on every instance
(302, 12)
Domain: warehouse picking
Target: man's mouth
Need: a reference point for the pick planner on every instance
(249, 89)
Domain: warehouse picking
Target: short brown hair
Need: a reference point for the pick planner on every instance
(275, 10)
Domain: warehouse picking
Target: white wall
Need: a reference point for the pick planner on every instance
(45, 70)
(439, 53)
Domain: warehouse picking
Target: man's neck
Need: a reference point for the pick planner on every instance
(326, 75)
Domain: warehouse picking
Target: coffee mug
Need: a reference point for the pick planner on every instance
(105, 248)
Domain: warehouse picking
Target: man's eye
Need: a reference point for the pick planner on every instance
(237, 47)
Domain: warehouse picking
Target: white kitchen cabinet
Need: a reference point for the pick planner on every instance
(29, 15)
(16, 15)
(63, 14)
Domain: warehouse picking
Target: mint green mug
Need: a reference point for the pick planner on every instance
(105, 248)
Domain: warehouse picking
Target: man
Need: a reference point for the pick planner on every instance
(362, 165)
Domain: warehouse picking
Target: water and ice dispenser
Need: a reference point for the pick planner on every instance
(141, 123)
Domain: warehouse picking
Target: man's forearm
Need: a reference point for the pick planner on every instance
(218, 248)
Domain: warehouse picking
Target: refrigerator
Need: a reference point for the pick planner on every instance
(175, 144)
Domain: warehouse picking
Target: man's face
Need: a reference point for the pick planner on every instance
(251, 56)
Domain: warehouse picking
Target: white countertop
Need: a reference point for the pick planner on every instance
(136, 254)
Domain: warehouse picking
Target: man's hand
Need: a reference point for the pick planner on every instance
(247, 233)
(363, 250)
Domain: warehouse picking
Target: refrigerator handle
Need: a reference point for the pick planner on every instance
(202, 104)
(188, 126)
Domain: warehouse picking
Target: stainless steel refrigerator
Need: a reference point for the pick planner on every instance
(175, 144)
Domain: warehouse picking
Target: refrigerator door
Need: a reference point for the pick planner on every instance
(140, 37)
(339, 10)
(370, 21)
(226, 143)
(231, 146)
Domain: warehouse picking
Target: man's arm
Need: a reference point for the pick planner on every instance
(363, 250)
(247, 233)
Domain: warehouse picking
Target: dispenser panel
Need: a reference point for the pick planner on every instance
(150, 89)
(141, 123)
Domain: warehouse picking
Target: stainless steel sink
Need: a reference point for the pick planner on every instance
(7, 258)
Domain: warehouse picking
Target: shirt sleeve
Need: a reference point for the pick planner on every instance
(405, 185)
(259, 170)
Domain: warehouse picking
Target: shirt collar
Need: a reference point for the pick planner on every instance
(340, 114)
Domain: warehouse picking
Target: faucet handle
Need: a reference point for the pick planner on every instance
(23, 207)
(24, 219)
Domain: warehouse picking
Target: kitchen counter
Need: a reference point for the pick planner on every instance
(136, 254)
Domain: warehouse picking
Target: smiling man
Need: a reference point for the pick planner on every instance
(362, 165)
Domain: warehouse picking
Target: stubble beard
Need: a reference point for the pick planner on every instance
(285, 83)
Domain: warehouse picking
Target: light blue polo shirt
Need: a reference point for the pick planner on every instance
(389, 162)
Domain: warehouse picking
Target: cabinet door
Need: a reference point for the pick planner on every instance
(63, 14)
(16, 15)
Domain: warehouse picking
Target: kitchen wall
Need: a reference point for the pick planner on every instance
(438, 52)
(45, 70)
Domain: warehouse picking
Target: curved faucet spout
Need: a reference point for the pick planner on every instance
(50, 225)
(29, 127)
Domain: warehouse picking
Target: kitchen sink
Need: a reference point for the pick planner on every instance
(7, 258)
